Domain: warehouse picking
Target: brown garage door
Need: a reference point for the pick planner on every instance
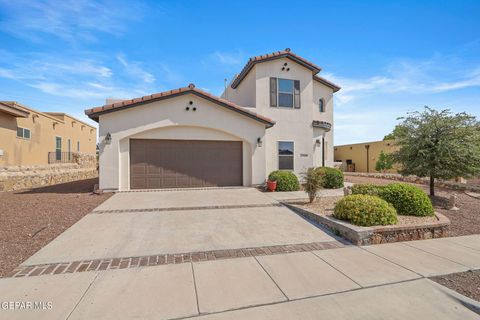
(158, 164)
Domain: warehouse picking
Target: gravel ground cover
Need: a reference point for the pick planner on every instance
(466, 283)
(30, 219)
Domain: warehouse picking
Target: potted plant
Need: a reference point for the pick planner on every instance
(271, 185)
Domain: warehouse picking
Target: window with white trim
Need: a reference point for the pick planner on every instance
(23, 133)
(285, 155)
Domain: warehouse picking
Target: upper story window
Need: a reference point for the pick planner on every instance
(284, 93)
(23, 133)
(321, 105)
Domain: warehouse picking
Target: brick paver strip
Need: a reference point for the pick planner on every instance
(262, 205)
(153, 260)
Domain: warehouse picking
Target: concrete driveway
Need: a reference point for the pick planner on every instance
(133, 224)
(229, 254)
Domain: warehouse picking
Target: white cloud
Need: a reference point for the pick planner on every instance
(135, 70)
(415, 77)
(229, 58)
(71, 20)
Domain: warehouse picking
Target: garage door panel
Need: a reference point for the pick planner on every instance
(184, 163)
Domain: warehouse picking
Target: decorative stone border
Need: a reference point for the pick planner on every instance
(143, 261)
(189, 208)
(362, 236)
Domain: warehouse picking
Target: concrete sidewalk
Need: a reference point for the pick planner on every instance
(376, 282)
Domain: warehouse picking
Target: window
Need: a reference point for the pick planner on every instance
(285, 155)
(321, 105)
(78, 146)
(284, 93)
(23, 133)
(58, 148)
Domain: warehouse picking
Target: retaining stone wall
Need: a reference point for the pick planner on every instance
(14, 178)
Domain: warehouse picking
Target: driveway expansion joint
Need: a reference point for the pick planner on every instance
(163, 259)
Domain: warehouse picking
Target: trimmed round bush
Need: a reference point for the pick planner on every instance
(286, 180)
(367, 188)
(332, 177)
(365, 210)
(408, 199)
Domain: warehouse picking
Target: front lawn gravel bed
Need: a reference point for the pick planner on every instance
(465, 221)
(30, 219)
(466, 283)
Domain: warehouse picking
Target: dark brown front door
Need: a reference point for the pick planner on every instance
(156, 164)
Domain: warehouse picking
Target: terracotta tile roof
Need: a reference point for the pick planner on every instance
(327, 83)
(272, 56)
(94, 113)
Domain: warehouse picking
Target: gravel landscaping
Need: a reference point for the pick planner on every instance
(32, 218)
(466, 283)
(463, 222)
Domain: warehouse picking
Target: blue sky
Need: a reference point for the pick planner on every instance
(389, 57)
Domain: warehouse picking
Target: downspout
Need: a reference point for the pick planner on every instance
(323, 151)
(368, 157)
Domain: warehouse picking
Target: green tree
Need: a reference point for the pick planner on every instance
(389, 136)
(438, 145)
(384, 162)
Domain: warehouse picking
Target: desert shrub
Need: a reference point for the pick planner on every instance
(408, 199)
(332, 177)
(312, 183)
(286, 180)
(365, 210)
(367, 188)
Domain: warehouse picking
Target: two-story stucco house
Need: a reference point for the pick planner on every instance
(277, 113)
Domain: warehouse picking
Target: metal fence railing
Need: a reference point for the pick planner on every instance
(60, 157)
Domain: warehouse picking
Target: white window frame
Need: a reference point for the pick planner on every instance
(278, 94)
(279, 155)
(23, 133)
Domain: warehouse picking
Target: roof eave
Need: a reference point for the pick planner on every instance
(95, 115)
(251, 63)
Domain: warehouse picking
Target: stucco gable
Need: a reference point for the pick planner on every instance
(94, 113)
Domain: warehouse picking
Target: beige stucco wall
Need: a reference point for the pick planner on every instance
(291, 124)
(358, 154)
(19, 151)
(168, 119)
(245, 94)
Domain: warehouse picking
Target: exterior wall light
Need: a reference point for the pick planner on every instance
(108, 138)
(259, 142)
(317, 142)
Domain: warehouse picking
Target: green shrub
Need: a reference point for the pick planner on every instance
(365, 210)
(408, 199)
(367, 188)
(286, 180)
(312, 183)
(332, 177)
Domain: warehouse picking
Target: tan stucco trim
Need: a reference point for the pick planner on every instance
(13, 111)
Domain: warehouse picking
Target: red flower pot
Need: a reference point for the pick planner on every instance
(271, 186)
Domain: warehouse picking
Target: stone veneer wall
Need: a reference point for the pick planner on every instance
(362, 236)
(26, 177)
(414, 179)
